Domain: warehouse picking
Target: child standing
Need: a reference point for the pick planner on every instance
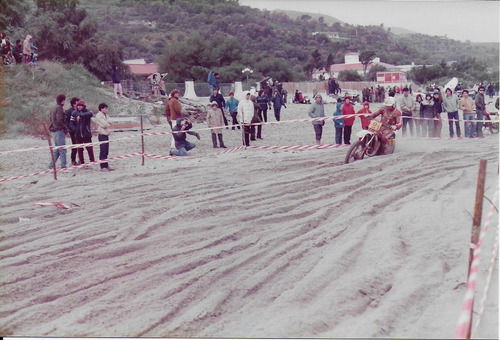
(338, 123)
(215, 121)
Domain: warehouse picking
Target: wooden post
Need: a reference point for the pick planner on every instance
(51, 151)
(476, 221)
(142, 140)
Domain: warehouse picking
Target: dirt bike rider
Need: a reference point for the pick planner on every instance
(390, 116)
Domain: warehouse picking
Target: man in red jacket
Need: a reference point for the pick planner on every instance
(390, 116)
(348, 109)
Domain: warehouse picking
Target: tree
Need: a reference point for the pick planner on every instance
(64, 32)
(329, 61)
(12, 13)
(366, 58)
(372, 74)
(349, 76)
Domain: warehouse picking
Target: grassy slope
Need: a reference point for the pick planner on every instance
(30, 93)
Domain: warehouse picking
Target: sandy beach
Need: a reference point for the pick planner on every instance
(254, 243)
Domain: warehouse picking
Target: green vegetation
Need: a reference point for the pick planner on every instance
(28, 93)
(189, 37)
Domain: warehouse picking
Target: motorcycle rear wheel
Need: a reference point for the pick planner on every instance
(356, 152)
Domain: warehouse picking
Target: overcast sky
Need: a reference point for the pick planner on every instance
(461, 20)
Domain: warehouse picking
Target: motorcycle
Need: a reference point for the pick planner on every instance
(492, 125)
(370, 143)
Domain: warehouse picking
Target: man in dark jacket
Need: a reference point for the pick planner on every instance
(58, 129)
(179, 133)
(83, 134)
(219, 99)
(70, 124)
(480, 108)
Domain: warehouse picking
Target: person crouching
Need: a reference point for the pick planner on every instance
(215, 121)
(179, 132)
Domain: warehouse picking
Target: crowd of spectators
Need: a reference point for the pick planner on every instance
(22, 51)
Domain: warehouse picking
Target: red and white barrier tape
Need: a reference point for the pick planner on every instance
(494, 255)
(83, 145)
(464, 321)
(135, 154)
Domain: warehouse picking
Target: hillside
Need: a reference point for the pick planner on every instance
(31, 93)
(327, 19)
(151, 29)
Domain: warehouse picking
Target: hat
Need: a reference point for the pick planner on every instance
(248, 93)
(406, 89)
(436, 91)
(212, 103)
(390, 101)
(365, 103)
(80, 102)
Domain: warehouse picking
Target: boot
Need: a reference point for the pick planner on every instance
(221, 142)
(214, 140)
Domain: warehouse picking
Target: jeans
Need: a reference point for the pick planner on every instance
(277, 110)
(73, 151)
(347, 134)
(103, 149)
(468, 126)
(59, 139)
(90, 149)
(438, 124)
(407, 121)
(428, 125)
(419, 126)
(263, 114)
(479, 125)
(453, 116)
(318, 131)
(235, 120)
(183, 150)
(338, 135)
(246, 134)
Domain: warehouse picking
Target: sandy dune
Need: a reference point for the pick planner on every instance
(248, 244)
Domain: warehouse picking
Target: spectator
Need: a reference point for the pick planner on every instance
(348, 109)
(6, 50)
(338, 122)
(58, 129)
(246, 112)
(263, 102)
(256, 120)
(217, 97)
(18, 51)
(450, 106)
(179, 133)
(438, 108)
(480, 108)
(213, 80)
(214, 121)
(83, 134)
(407, 104)
(427, 111)
(317, 110)
(117, 86)
(174, 107)
(27, 49)
(467, 105)
(418, 122)
(491, 90)
(365, 119)
(154, 80)
(232, 107)
(70, 121)
(278, 102)
(103, 125)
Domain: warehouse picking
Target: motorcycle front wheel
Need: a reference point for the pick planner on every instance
(356, 152)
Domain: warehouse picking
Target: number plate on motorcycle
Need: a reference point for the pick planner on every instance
(374, 125)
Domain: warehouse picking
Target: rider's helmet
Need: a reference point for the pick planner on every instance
(389, 101)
